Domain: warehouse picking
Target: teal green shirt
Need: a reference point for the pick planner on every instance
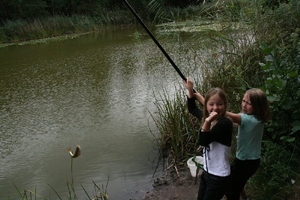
(249, 138)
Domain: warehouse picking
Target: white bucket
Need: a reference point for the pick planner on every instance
(192, 165)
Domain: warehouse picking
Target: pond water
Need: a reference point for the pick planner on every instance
(96, 91)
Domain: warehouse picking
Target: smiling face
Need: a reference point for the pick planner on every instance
(216, 104)
(246, 105)
(215, 101)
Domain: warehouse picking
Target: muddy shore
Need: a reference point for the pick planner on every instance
(179, 185)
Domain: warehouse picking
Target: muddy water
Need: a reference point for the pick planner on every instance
(94, 90)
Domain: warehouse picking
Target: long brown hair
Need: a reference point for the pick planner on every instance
(208, 95)
(259, 104)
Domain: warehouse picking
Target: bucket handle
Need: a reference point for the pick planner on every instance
(199, 166)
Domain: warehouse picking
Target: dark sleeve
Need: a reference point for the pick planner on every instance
(221, 132)
(193, 109)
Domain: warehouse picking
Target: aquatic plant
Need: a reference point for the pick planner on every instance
(100, 193)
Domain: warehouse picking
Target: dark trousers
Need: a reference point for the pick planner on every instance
(212, 187)
(241, 171)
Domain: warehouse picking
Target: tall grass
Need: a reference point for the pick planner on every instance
(215, 57)
(233, 61)
(177, 127)
(100, 192)
(60, 25)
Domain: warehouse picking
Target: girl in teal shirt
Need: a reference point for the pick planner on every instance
(255, 112)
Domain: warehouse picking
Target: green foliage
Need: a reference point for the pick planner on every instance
(16, 9)
(234, 62)
(161, 13)
(274, 179)
(179, 135)
(281, 67)
(155, 8)
(101, 193)
(36, 9)
(59, 25)
(273, 25)
(273, 4)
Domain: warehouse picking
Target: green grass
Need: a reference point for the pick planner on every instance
(100, 192)
(59, 26)
(233, 59)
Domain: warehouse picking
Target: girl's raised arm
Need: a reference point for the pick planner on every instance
(199, 97)
(235, 118)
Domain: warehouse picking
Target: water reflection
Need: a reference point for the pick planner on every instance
(95, 91)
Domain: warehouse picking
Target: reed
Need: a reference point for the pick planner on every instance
(234, 62)
(60, 25)
(176, 126)
(100, 192)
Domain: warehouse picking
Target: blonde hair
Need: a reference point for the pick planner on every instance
(208, 95)
(260, 104)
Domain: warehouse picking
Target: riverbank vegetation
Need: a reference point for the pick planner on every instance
(100, 192)
(26, 20)
(263, 51)
(237, 44)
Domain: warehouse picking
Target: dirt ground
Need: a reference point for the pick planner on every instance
(169, 187)
(176, 185)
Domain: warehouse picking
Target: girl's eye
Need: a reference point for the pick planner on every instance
(248, 103)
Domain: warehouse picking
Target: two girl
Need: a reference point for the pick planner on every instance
(255, 112)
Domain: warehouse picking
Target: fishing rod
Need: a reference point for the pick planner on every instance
(156, 42)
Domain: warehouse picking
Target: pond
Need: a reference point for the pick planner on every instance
(96, 91)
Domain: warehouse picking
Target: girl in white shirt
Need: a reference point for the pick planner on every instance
(215, 136)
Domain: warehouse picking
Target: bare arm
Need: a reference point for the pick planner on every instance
(235, 118)
(199, 97)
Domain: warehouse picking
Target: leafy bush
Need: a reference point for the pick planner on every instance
(235, 64)
(276, 176)
(282, 87)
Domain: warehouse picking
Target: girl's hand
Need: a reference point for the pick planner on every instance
(189, 85)
(208, 121)
(212, 117)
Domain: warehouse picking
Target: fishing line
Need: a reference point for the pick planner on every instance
(156, 42)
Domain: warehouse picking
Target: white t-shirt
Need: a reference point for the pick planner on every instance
(216, 159)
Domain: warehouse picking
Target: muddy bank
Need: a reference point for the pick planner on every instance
(179, 185)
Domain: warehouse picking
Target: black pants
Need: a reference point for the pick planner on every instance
(241, 171)
(212, 187)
